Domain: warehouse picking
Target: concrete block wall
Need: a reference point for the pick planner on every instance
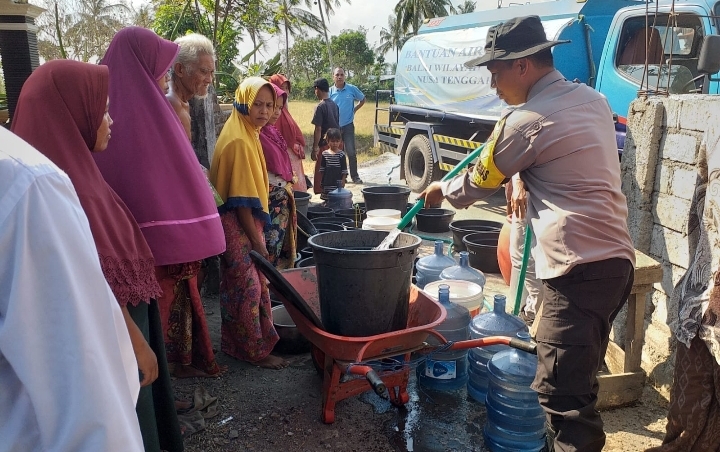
(659, 178)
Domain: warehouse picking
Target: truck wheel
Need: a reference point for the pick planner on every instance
(420, 168)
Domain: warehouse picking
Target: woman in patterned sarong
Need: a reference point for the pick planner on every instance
(239, 174)
(694, 412)
(281, 233)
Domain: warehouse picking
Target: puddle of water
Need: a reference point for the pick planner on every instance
(435, 421)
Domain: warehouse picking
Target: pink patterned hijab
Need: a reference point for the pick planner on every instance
(274, 146)
(67, 100)
(149, 161)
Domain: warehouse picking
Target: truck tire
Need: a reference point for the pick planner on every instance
(420, 167)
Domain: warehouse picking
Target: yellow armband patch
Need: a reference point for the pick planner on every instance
(485, 174)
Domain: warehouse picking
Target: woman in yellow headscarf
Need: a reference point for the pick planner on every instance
(239, 173)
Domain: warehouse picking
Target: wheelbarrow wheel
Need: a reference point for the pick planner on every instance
(318, 359)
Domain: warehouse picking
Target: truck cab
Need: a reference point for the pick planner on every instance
(622, 48)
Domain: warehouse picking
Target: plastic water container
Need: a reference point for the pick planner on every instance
(386, 213)
(447, 371)
(515, 419)
(430, 267)
(380, 223)
(462, 293)
(463, 271)
(494, 323)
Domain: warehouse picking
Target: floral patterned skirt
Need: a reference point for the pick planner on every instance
(187, 337)
(281, 235)
(247, 330)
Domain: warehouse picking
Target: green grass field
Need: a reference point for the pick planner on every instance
(302, 112)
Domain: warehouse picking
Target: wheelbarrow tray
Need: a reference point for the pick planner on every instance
(424, 315)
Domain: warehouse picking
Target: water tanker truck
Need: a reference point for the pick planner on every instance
(440, 110)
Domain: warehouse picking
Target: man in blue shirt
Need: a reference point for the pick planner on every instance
(345, 95)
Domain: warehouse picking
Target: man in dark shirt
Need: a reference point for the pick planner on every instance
(326, 116)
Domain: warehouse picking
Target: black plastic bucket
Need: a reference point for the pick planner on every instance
(305, 230)
(306, 262)
(363, 292)
(320, 211)
(387, 197)
(461, 228)
(434, 220)
(302, 200)
(482, 248)
(356, 215)
(334, 220)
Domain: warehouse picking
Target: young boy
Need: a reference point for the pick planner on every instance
(333, 165)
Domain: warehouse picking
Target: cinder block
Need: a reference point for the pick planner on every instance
(671, 212)
(673, 107)
(680, 147)
(663, 178)
(670, 246)
(684, 182)
(696, 112)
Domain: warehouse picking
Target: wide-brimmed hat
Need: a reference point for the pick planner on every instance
(516, 38)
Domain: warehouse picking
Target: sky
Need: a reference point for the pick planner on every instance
(371, 14)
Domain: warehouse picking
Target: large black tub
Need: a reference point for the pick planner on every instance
(387, 197)
(363, 292)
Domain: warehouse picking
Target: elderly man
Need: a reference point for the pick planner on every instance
(583, 252)
(191, 74)
(344, 95)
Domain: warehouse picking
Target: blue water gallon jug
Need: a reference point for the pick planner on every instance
(515, 419)
(463, 271)
(430, 267)
(494, 323)
(340, 198)
(447, 371)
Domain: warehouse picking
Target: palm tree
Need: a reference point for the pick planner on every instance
(411, 13)
(392, 37)
(96, 24)
(329, 11)
(467, 7)
(294, 20)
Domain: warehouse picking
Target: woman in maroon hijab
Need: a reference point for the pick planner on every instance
(290, 131)
(69, 100)
(152, 167)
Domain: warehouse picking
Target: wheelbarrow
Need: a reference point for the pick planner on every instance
(340, 356)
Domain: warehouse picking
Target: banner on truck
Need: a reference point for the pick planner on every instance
(431, 72)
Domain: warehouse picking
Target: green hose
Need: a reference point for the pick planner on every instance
(523, 269)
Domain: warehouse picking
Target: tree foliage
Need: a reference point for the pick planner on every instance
(82, 28)
(392, 37)
(309, 58)
(294, 22)
(468, 6)
(353, 53)
(411, 13)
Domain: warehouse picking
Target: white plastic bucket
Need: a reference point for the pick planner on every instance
(386, 213)
(463, 293)
(380, 223)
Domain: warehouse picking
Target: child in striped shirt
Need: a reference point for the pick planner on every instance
(333, 164)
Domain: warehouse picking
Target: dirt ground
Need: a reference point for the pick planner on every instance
(271, 410)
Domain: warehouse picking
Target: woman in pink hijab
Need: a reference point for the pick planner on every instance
(290, 131)
(153, 168)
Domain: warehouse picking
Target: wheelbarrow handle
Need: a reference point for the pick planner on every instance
(495, 340)
(372, 377)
